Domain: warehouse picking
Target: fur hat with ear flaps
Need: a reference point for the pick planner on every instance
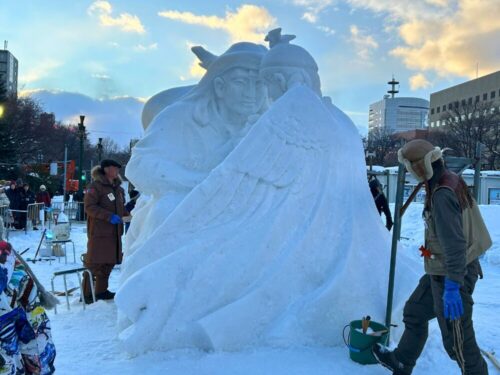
(417, 156)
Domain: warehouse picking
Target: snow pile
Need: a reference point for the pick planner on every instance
(280, 245)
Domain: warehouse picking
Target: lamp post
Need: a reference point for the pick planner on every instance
(81, 134)
(99, 149)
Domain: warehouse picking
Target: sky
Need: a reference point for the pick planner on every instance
(105, 58)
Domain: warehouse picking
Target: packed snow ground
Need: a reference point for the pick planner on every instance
(86, 341)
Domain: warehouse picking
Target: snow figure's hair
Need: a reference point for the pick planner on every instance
(242, 55)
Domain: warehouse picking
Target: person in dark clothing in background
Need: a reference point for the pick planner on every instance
(13, 193)
(134, 195)
(43, 196)
(455, 237)
(27, 198)
(381, 202)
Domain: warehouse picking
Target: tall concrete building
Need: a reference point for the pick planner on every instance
(482, 89)
(398, 114)
(8, 71)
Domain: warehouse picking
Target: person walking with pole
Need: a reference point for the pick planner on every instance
(105, 207)
(455, 237)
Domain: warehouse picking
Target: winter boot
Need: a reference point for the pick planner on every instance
(388, 359)
(106, 295)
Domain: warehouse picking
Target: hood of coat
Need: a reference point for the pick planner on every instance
(99, 176)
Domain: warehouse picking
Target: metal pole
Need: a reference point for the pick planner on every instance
(65, 169)
(99, 149)
(477, 172)
(81, 130)
(80, 167)
(396, 233)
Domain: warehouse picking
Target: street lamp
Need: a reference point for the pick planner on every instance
(99, 149)
(81, 134)
(370, 155)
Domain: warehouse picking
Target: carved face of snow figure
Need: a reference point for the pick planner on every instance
(240, 93)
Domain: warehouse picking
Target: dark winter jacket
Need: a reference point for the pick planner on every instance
(381, 202)
(43, 197)
(27, 197)
(14, 198)
(102, 200)
(134, 195)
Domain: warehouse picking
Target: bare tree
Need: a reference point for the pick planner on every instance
(465, 124)
(381, 142)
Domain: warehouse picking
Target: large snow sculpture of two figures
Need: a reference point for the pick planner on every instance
(278, 244)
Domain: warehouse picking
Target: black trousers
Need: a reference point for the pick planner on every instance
(426, 303)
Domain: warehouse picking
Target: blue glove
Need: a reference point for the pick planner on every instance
(115, 219)
(453, 307)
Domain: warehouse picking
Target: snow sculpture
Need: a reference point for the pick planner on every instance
(279, 244)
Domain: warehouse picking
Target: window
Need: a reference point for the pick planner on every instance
(444, 108)
(438, 110)
(469, 101)
(432, 111)
(456, 104)
(492, 95)
(477, 98)
(450, 106)
(485, 96)
(463, 102)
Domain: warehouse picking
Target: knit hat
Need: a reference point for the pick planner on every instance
(5, 247)
(110, 163)
(417, 156)
(42, 187)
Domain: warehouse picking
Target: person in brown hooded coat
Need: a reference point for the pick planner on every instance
(105, 207)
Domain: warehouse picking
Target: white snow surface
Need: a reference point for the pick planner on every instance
(87, 341)
(277, 246)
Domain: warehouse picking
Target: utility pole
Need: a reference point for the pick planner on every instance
(99, 150)
(81, 134)
(477, 172)
(65, 169)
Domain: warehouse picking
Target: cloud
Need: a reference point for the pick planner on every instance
(41, 70)
(313, 8)
(419, 81)
(102, 77)
(327, 30)
(143, 48)
(364, 44)
(248, 23)
(124, 21)
(447, 37)
(118, 118)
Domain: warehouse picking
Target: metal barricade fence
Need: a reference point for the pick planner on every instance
(34, 213)
(73, 210)
(6, 221)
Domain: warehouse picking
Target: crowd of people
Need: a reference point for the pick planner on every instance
(17, 196)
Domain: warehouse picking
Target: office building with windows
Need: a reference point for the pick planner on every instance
(398, 114)
(482, 89)
(8, 71)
